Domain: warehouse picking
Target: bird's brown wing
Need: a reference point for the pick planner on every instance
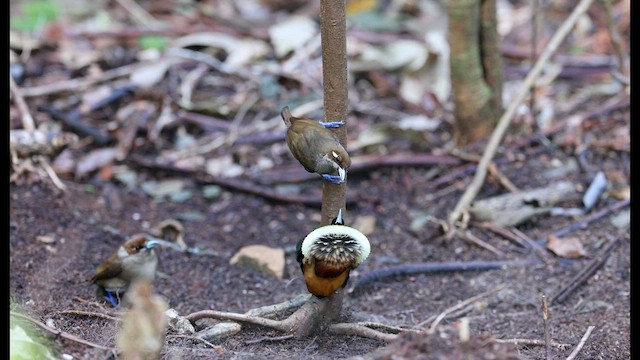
(313, 141)
(108, 269)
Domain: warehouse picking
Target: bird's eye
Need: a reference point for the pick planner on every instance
(335, 155)
(138, 247)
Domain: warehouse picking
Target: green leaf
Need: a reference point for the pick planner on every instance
(22, 345)
(36, 14)
(152, 42)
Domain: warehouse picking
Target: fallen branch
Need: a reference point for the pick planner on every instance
(428, 268)
(505, 120)
(230, 183)
(360, 164)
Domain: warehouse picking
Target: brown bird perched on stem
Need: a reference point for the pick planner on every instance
(134, 259)
(328, 254)
(316, 147)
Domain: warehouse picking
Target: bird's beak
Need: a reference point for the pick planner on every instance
(339, 217)
(153, 241)
(342, 173)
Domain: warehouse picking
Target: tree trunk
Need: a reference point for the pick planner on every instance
(333, 30)
(476, 68)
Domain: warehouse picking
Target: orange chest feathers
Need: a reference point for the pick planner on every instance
(323, 281)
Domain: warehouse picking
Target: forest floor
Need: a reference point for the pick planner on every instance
(253, 192)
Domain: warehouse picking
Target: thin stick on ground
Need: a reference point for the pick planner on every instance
(616, 41)
(268, 338)
(545, 321)
(493, 169)
(192, 338)
(88, 313)
(61, 333)
(580, 345)
(80, 83)
(587, 220)
(27, 120)
(460, 305)
(532, 342)
(140, 14)
(497, 135)
(468, 235)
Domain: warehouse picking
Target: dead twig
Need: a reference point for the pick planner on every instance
(62, 333)
(575, 351)
(545, 321)
(621, 56)
(493, 169)
(539, 250)
(268, 338)
(587, 220)
(531, 342)
(140, 14)
(460, 305)
(87, 313)
(80, 84)
(230, 183)
(27, 120)
(467, 235)
(194, 338)
(505, 120)
(586, 273)
(502, 231)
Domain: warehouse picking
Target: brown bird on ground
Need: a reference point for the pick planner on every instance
(316, 147)
(135, 259)
(328, 254)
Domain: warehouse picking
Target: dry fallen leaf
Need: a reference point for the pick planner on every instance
(291, 34)
(568, 247)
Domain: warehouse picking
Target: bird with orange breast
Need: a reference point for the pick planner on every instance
(328, 254)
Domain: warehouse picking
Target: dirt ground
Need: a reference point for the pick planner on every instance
(84, 226)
